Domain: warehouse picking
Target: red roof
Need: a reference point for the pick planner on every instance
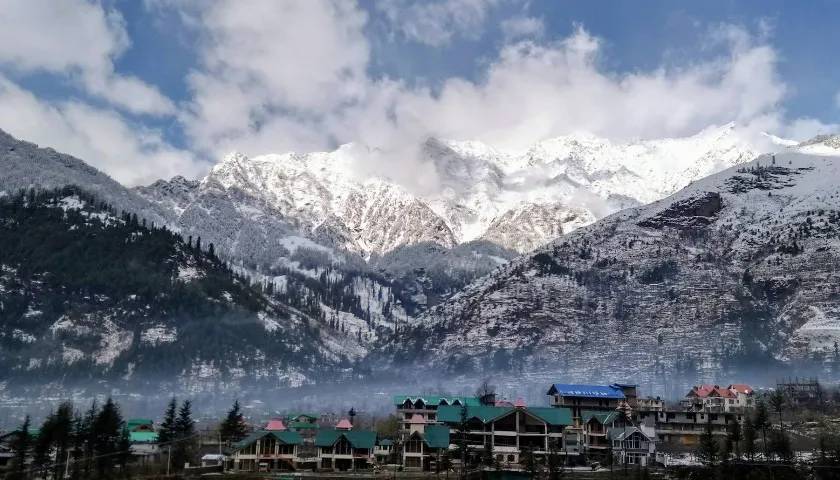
(519, 403)
(275, 426)
(741, 388)
(343, 424)
(706, 390)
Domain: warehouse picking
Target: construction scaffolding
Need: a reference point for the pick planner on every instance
(801, 391)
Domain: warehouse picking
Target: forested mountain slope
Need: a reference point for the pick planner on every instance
(738, 269)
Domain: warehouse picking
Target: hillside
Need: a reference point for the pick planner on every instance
(88, 294)
(737, 270)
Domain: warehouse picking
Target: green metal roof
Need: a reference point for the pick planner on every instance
(436, 436)
(484, 413)
(600, 416)
(139, 421)
(357, 438)
(552, 415)
(302, 425)
(142, 437)
(436, 399)
(296, 415)
(386, 442)
(287, 437)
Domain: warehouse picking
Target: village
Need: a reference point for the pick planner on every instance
(583, 430)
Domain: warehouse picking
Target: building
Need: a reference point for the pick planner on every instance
(424, 450)
(266, 451)
(681, 430)
(580, 398)
(383, 450)
(344, 448)
(717, 399)
(140, 425)
(212, 460)
(412, 408)
(631, 445)
(650, 404)
(507, 431)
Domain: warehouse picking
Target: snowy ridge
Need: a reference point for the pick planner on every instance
(739, 264)
(482, 194)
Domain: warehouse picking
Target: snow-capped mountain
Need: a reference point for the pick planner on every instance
(519, 200)
(739, 268)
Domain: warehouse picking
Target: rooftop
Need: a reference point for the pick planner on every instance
(578, 390)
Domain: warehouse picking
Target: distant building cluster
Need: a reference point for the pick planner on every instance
(579, 424)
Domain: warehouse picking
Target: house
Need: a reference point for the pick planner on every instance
(579, 398)
(425, 406)
(631, 445)
(265, 451)
(716, 399)
(383, 450)
(650, 404)
(140, 425)
(424, 450)
(596, 444)
(344, 448)
(507, 431)
(6, 454)
(143, 444)
(275, 425)
(677, 430)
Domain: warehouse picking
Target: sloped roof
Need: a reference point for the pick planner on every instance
(298, 415)
(437, 399)
(707, 390)
(142, 437)
(385, 442)
(136, 422)
(275, 425)
(436, 436)
(551, 415)
(601, 417)
(344, 424)
(741, 388)
(483, 413)
(357, 438)
(578, 390)
(303, 426)
(287, 437)
(622, 433)
(486, 414)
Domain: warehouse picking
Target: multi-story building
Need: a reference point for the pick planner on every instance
(508, 431)
(716, 399)
(266, 451)
(345, 448)
(423, 450)
(413, 408)
(682, 429)
(580, 398)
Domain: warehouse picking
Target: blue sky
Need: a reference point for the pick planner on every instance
(164, 87)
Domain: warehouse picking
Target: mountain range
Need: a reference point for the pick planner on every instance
(662, 255)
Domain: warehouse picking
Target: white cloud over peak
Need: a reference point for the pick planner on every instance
(128, 152)
(79, 39)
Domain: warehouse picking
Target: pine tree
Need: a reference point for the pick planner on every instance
(233, 428)
(21, 446)
(734, 438)
(167, 426)
(761, 422)
(707, 450)
(182, 451)
(108, 429)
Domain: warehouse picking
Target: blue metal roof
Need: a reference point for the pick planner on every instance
(573, 390)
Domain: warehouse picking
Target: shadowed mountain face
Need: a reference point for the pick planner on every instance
(738, 267)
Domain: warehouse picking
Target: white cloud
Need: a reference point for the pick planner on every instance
(129, 153)
(519, 27)
(436, 22)
(79, 39)
(306, 87)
